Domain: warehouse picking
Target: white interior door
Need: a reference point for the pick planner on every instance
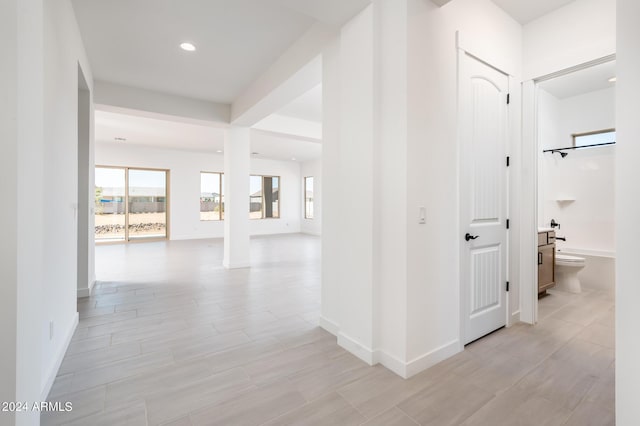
(483, 93)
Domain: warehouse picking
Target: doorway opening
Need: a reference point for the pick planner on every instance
(575, 128)
(84, 267)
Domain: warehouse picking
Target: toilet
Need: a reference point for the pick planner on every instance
(567, 268)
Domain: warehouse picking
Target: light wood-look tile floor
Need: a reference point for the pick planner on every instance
(171, 338)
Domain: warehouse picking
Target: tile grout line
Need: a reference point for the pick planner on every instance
(408, 416)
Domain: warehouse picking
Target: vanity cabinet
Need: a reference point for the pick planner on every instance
(546, 260)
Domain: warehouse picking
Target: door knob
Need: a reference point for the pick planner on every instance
(468, 236)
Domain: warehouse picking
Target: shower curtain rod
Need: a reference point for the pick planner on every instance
(578, 147)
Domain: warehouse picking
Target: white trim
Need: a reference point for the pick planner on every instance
(433, 357)
(418, 364)
(314, 233)
(86, 292)
(358, 349)
(51, 377)
(514, 318)
(329, 326)
(529, 206)
(481, 51)
(392, 363)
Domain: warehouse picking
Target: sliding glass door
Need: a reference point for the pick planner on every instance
(131, 204)
(147, 203)
(110, 208)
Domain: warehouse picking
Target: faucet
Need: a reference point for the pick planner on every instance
(554, 224)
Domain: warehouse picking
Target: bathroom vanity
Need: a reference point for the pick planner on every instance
(546, 260)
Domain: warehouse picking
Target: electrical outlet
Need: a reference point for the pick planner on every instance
(50, 330)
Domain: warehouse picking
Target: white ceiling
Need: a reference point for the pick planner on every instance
(151, 132)
(301, 117)
(136, 43)
(581, 82)
(164, 134)
(306, 107)
(525, 11)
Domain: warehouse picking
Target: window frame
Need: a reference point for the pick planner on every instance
(262, 198)
(591, 133)
(221, 180)
(304, 189)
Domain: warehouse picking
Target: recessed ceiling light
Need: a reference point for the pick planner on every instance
(293, 158)
(613, 80)
(189, 47)
(219, 151)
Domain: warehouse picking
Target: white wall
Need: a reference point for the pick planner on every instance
(627, 214)
(312, 168)
(44, 98)
(585, 175)
(63, 53)
(393, 143)
(391, 186)
(433, 250)
(185, 168)
(579, 32)
(331, 182)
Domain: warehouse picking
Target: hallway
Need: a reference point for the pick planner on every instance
(170, 337)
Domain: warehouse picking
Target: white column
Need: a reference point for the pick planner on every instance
(236, 197)
(22, 188)
(331, 183)
(355, 167)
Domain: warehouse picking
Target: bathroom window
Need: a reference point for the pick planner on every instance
(264, 197)
(211, 196)
(594, 138)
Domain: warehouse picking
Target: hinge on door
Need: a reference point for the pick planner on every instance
(508, 98)
(507, 223)
(508, 158)
(507, 285)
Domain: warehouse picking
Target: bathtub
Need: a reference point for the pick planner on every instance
(600, 272)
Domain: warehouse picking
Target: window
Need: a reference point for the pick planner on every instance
(211, 196)
(130, 204)
(264, 197)
(308, 197)
(594, 138)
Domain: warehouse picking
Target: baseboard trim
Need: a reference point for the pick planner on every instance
(329, 326)
(431, 358)
(86, 292)
(51, 377)
(356, 348)
(392, 363)
(515, 318)
(314, 233)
